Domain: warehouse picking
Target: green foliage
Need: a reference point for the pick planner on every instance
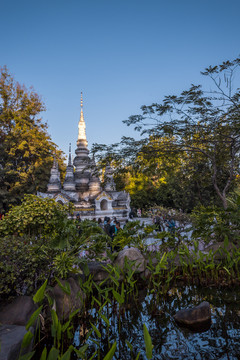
(35, 244)
(49, 245)
(64, 264)
(38, 297)
(38, 217)
(148, 342)
(188, 151)
(26, 150)
(133, 234)
(93, 239)
(27, 356)
(33, 317)
(23, 266)
(107, 302)
(216, 224)
(111, 352)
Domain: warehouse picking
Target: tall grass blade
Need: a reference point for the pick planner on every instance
(111, 352)
(148, 342)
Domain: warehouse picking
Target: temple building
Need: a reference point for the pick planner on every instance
(82, 186)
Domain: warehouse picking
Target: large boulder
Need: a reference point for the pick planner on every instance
(97, 271)
(219, 249)
(67, 303)
(131, 254)
(18, 312)
(196, 319)
(11, 337)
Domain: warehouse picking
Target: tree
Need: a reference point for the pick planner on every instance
(201, 125)
(26, 149)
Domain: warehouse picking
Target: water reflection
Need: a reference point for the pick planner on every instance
(221, 341)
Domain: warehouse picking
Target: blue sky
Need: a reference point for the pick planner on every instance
(120, 54)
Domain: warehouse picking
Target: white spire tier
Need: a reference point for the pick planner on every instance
(81, 160)
(82, 139)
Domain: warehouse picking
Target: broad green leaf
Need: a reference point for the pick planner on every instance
(117, 297)
(96, 300)
(27, 339)
(96, 330)
(54, 325)
(33, 317)
(27, 356)
(38, 297)
(65, 326)
(129, 345)
(105, 319)
(50, 300)
(85, 269)
(54, 318)
(148, 342)
(111, 352)
(226, 270)
(122, 292)
(44, 354)
(81, 351)
(67, 354)
(74, 313)
(65, 288)
(53, 355)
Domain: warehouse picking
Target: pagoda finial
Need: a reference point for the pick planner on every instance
(81, 116)
(82, 125)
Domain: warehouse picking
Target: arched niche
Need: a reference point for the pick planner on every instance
(104, 204)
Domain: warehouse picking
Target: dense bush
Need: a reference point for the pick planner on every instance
(36, 217)
(38, 240)
(23, 266)
(216, 224)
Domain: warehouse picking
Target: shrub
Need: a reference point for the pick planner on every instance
(23, 266)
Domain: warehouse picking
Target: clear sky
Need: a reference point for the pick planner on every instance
(120, 53)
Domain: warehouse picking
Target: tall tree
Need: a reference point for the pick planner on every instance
(204, 124)
(26, 149)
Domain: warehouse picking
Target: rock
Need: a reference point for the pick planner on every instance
(153, 258)
(219, 250)
(131, 254)
(65, 304)
(11, 337)
(147, 274)
(197, 318)
(96, 269)
(18, 312)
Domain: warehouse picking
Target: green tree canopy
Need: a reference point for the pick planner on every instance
(202, 125)
(26, 149)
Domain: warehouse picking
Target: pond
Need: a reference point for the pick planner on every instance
(220, 341)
